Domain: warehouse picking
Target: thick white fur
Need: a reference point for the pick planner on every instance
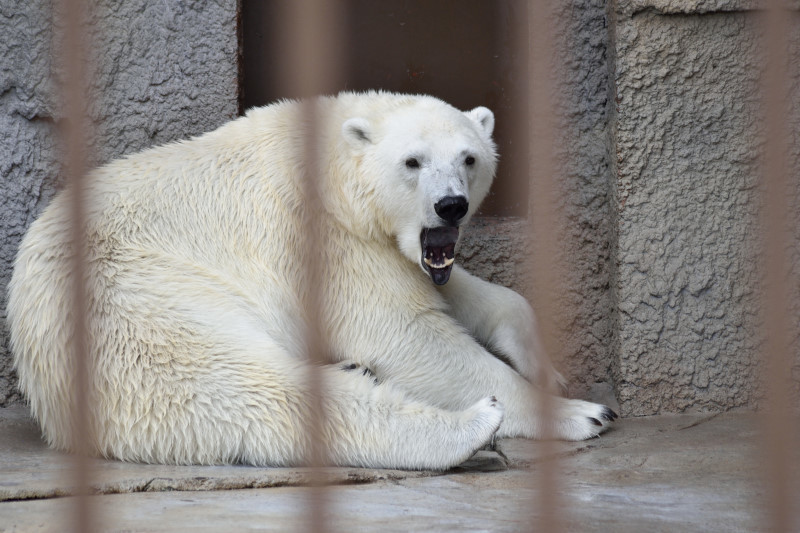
(195, 291)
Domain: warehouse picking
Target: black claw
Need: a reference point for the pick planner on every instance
(595, 421)
(608, 414)
(365, 370)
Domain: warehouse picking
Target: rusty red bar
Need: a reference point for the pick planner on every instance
(779, 422)
(311, 33)
(74, 61)
(544, 222)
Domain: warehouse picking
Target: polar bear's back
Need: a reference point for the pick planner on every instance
(212, 198)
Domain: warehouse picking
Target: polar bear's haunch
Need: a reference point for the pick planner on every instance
(195, 288)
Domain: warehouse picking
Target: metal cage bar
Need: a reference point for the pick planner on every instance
(544, 218)
(312, 34)
(779, 431)
(74, 60)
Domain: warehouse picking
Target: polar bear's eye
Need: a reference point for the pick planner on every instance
(412, 162)
(469, 161)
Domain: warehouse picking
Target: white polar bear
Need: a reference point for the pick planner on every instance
(195, 290)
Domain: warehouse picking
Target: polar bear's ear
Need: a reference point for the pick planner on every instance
(357, 131)
(484, 118)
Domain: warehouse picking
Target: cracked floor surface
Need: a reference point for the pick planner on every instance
(667, 473)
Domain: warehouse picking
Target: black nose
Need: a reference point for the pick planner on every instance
(452, 208)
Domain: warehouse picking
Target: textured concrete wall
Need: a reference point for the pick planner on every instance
(584, 316)
(162, 71)
(496, 249)
(685, 204)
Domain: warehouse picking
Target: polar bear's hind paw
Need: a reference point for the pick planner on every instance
(363, 370)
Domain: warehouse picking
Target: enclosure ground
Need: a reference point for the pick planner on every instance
(667, 473)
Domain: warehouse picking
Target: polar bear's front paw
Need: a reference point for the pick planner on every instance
(580, 420)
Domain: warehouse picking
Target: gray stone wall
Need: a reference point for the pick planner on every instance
(162, 71)
(587, 359)
(686, 133)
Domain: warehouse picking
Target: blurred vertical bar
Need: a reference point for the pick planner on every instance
(310, 30)
(779, 432)
(74, 63)
(544, 219)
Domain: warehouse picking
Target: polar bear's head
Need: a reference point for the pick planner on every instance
(430, 166)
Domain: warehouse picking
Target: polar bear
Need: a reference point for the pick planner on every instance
(196, 282)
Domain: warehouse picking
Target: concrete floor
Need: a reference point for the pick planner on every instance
(668, 473)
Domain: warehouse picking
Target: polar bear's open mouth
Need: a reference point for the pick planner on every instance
(438, 252)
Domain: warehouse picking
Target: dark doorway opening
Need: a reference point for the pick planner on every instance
(462, 51)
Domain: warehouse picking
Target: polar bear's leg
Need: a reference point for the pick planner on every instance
(443, 365)
(369, 424)
(504, 322)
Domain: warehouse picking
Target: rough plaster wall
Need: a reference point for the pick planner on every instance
(583, 318)
(163, 71)
(27, 145)
(496, 248)
(685, 206)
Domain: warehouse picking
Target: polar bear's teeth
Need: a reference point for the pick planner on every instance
(447, 262)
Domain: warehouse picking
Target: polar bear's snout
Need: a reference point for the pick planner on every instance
(452, 209)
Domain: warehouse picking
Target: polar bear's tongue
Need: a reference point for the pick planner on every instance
(438, 252)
